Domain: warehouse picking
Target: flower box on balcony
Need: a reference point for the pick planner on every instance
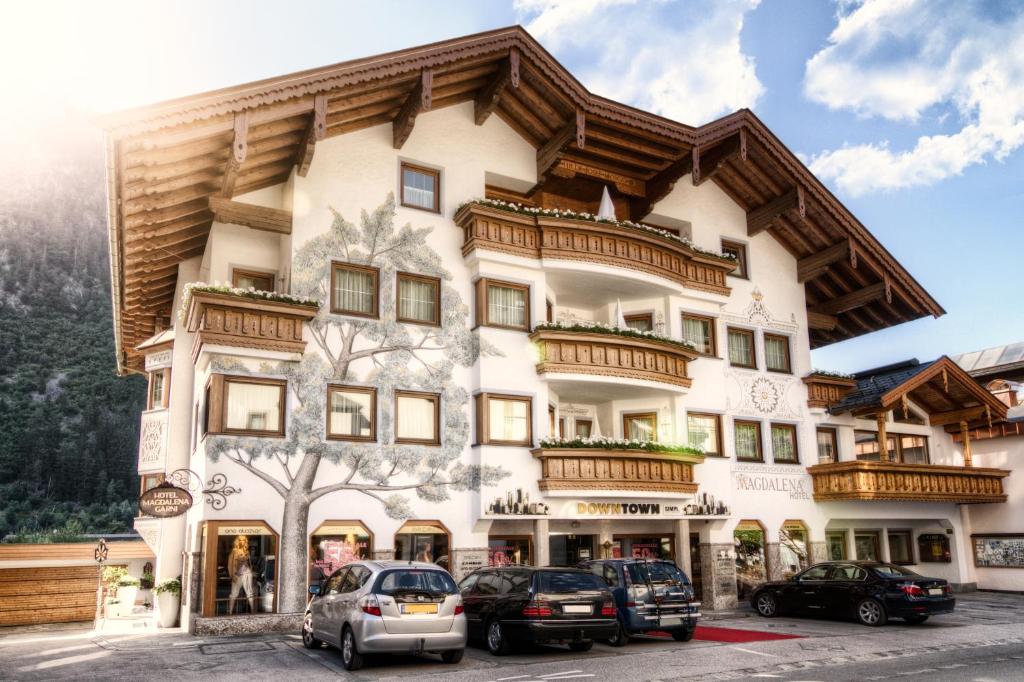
(600, 468)
(866, 480)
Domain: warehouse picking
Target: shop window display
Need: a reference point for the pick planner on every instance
(751, 571)
(642, 547)
(793, 548)
(334, 545)
(422, 541)
(245, 570)
(569, 550)
(934, 548)
(509, 551)
(836, 543)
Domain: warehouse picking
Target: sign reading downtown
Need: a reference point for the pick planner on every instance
(619, 508)
(165, 501)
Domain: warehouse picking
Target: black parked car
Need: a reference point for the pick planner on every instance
(870, 591)
(509, 605)
(649, 595)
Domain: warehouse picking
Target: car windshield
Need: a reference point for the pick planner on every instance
(891, 570)
(551, 582)
(656, 572)
(416, 580)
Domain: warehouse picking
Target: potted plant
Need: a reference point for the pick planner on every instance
(168, 600)
(111, 577)
(127, 591)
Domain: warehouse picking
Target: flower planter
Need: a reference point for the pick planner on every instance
(167, 605)
(126, 597)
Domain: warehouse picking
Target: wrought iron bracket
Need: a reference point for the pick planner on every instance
(216, 490)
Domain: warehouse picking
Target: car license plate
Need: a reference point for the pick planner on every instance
(935, 591)
(419, 608)
(577, 608)
(671, 620)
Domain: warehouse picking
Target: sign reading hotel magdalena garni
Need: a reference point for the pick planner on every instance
(164, 501)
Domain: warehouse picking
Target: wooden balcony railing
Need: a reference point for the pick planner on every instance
(824, 389)
(231, 320)
(595, 353)
(862, 480)
(538, 237)
(581, 469)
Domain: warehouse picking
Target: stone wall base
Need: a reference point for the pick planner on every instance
(964, 587)
(257, 624)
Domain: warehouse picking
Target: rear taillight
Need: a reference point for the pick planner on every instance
(369, 605)
(947, 589)
(458, 609)
(536, 609)
(631, 605)
(912, 590)
(608, 609)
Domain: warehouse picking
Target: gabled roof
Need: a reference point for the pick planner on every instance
(941, 388)
(993, 360)
(165, 162)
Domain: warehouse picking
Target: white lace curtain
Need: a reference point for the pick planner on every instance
(416, 420)
(776, 353)
(506, 306)
(783, 444)
(417, 300)
(353, 290)
(698, 333)
(351, 413)
(253, 407)
(640, 428)
(746, 441)
(418, 189)
(702, 433)
(741, 351)
(509, 419)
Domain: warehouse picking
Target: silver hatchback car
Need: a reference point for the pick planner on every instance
(372, 607)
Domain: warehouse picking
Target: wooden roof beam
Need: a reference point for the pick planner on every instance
(487, 100)
(239, 150)
(707, 162)
(551, 152)
(852, 300)
(316, 131)
(816, 264)
(419, 100)
(821, 321)
(251, 215)
(761, 218)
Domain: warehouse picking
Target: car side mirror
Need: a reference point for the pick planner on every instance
(314, 590)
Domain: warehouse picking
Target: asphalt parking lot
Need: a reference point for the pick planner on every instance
(984, 639)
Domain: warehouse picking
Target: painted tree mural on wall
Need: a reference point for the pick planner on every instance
(398, 356)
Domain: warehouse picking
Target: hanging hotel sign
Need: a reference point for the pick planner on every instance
(164, 501)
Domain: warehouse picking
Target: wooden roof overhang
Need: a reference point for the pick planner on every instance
(947, 393)
(166, 162)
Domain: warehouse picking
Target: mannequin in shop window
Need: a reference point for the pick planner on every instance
(241, 574)
(424, 554)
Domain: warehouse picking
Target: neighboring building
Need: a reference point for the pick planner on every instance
(410, 388)
(997, 530)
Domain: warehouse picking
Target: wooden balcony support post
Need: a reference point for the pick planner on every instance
(965, 434)
(883, 449)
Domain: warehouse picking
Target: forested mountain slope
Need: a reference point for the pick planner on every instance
(68, 424)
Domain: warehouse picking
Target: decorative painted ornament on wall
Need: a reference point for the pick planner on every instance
(764, 395)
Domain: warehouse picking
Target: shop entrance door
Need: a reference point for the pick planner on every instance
(569, 550)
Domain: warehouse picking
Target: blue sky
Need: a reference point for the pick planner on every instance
(912, 112)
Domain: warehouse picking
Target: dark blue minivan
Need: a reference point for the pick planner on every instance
(650, 594)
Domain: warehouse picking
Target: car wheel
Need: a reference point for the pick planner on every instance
(621, 637)
(453, 656)
(766, 605)
(915, 620)
(350, 656)
(683, 635)
(308, 640)
(585, 645)
(871, 612)
(497, 644)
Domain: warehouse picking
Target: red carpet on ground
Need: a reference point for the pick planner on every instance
(712, 634)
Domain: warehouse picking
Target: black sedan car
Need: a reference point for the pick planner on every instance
(509, 605)
(870, 591)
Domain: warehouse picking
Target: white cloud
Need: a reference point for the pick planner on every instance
(680, 59)
(915, 61)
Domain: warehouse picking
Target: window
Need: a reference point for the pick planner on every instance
(741, 348)
(641, 322)
(417, 418)
(866, 445)
(584, 428)
(425, 541)
(819, 572)
(643, 427)
(902, 447)
(836, 545)
(934, 548)
(252, 279)
(776, 353)
(551, 422)
(352, 413)
(504, 419)
(158, 389)
(700, 332)
(549, 311)
(784, 447)
(241, 568)
(739, 251)
(913, 449)
(848, 573)
(421, 188)
(866, 546)
(702, 432)
(355, 289)
(502, 304)
(901, 547)
(747, 437)
(509, 550)
(828, 448)
(252, 407)
(335, 544)
(419, 299)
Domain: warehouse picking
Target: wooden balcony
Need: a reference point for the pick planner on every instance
(581, 469)
(600, 354)
(824, 389)
(230, 320)
(539, 237)
(861, 480)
